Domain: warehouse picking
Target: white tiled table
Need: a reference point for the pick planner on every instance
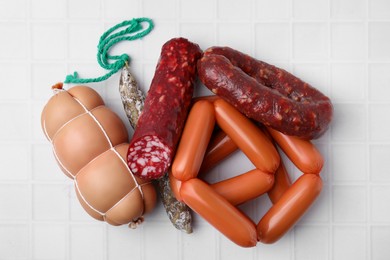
(340, 46)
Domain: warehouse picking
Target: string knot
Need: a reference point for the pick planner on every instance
(133, 30)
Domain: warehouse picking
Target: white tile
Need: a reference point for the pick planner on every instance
(311, 243)
(204, 236)
(278, 9)
(48, 41)
(380, 249)
(348, 88)
(45, 75)
(48, 9)
(281, 250)
(167, 247)
(45, 167)
(380, 206)
(203, 10)
(14, 10)
(348, 162)
(318, 9)
(18, 127)
(379, 82)
(349, 203)
(201, 33)
(310, 41)
(50, 241)
(279, 47)
(379, 9)
(230, 251)
(51, 201)
(379, 122)
(16, 45)
(14, 241)
(379, 162)
(240, 40)
(11, 167)
(234, 10)
(315, 74)
(124, 243)
(15, 202)
(348, 9)
(16, 79)
(87, 242)
(349, 122)
(379, 40)
(349, 243)
(37, 131)
(348, 41)
(82, 41)
(160, 9)
(120, 10)
(77, 9)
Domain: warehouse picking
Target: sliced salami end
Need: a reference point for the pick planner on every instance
(149, 157)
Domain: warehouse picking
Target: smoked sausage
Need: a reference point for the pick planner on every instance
(265, 93)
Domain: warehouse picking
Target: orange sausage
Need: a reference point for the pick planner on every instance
(303, 154)
(219, 212)
(244, 187)
(220, 147)
(175, 186)
(281, 185)
(288, 210)
(210, 98)
(194, 140)
(249, 138)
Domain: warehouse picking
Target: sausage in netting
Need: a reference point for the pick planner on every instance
(265, 93)
(166, 106)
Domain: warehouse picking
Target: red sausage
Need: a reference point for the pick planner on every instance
(219, 212)
(289, 209)
(265, 93)
(166, 106)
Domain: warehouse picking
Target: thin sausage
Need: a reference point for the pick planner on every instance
(175, 186)
(302, 153)
(219, 212)
(220, 147)
(289, 209)
(249, 138)
(244, 187)
(193, 143)
(281, 185)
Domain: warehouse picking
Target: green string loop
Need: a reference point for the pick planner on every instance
(134, 30)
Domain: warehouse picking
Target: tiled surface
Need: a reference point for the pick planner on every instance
(339, 46)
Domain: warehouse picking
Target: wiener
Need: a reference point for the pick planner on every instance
(219, 212)
(281, 184)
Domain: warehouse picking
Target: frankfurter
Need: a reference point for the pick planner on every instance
(219, 212)
(248, 137)
(220, 147)
(194, 140)
(289, 208)
(302, 153)
(281, 184)
(175, 186)
(244, 187)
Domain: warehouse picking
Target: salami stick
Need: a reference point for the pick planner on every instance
(133, 102)
(265, 93)
(166, 107)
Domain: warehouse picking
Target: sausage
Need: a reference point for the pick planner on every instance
(193, 143)
(281, 184)
(303, 154)
(289, 209)
(219, 212)
(265, 93)
(175, 186)
(244, 187)
(248, 137)
(220, 147)
(90, 145)
(159, 127)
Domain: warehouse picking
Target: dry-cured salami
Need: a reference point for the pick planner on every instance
(166, 107)
(266, 93)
